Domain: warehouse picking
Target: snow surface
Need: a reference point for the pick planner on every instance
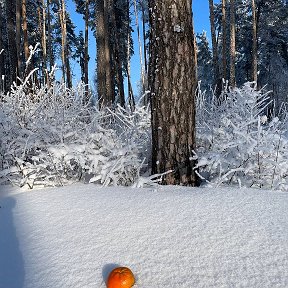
(169, 236)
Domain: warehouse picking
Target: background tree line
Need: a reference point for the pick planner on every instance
(249, 43)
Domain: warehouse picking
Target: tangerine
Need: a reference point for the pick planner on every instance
(120, 277)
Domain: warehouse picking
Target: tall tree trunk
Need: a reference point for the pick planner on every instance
(25, 30)
(18, 36)
(172, 81)
(254, 49)
(117, 63)
(224, 46)
(100, 38)
(2, 64)
(128, 68)
(104, 74)
(44, 42)
(64, 52)
(49, 38)
(110, 91)
(86, 56)
(232, 44)
(214, 46)
(11, 32)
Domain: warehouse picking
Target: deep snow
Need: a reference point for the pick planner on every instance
(169, 236)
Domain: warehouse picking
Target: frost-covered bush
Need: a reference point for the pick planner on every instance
(238, 145)
(48, 137)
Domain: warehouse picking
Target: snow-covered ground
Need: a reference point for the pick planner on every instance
(169, 236)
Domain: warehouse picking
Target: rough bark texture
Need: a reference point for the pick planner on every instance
(232, 44)
(86, 55)
(104, 82)
(254, 48)
(2, 65)
(224, 46)
(18, 36)
(44, 41)
(172, 81)
(25, 30)
(214, 44)
(12, 48)
(64, 53)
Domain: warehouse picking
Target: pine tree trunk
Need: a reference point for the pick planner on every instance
(224, 46)
(44, 42)
(62, 17)
(232, 44)
(2, 65)
(18, 36)
(12, 47)
(100, 39)
(110, 91)
(104, 74)
(49, 39)
(214, 46)
(172, 81)
(25, 30)
(254, 49)
(117, 63)
(86, 56)
(128, 68)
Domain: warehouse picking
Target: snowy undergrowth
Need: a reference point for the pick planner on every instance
(238, 145)
(48, 137)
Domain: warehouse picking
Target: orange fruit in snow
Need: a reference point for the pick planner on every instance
(120, 277)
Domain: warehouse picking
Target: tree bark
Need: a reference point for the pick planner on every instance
(172, 81)
(64, 52)
(214, 46)
(232, 44)
(18, 36)
(86, 56)
(12, 46)
(2, 65)
(25, 30)
(254, 48)
(44, 42)
(224, 46)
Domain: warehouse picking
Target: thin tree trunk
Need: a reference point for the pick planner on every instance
(25, 30)
(128, 68)
(110, 91)
(224, 35)
(172, 81)
(254, 49)
(44, 42)
(100, 38)
(18, 36)
(12, 47)
(49, 39)
(86, 56)
(2, 65)
(62, 17)
(214, 45)
(232, 44)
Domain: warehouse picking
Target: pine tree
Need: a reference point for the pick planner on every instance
(232, 44)
(172, 82)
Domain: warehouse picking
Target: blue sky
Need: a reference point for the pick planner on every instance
(201, 22)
